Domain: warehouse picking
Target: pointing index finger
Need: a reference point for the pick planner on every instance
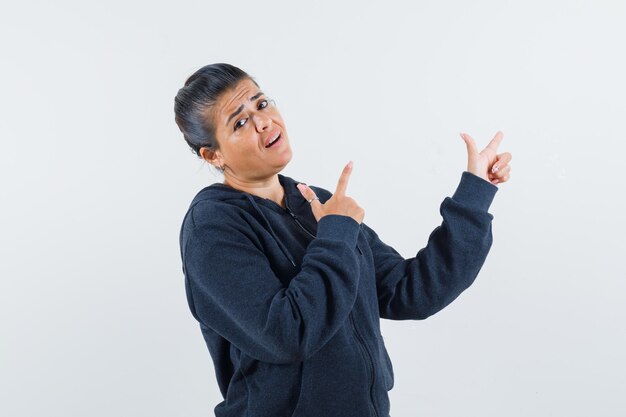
(342, 184)
(495, 142)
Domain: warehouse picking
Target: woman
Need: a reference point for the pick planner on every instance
(287, 282)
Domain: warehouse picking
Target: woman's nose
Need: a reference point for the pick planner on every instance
(262, 122)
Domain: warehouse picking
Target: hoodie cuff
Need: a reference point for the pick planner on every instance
(474, 192)
(339, 227)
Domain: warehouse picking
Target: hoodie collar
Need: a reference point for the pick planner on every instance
(225, 193)
(221, 192)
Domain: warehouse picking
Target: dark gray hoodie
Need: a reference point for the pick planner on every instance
(290, 308)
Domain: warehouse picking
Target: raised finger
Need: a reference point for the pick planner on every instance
(342, 184)
(495, 142)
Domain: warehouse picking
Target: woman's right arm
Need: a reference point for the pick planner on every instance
(233, 290)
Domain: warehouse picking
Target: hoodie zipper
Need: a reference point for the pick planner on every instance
(293, 215)
(360, 340)
(370, 365)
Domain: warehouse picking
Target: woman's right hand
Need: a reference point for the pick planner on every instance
(339, 203)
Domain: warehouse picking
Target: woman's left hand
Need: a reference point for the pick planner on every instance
(488, 164)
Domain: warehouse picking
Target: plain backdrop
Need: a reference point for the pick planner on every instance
(96, 177)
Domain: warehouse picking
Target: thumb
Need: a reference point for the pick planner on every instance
(470, 144)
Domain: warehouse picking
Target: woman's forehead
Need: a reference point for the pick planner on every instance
(234, 99)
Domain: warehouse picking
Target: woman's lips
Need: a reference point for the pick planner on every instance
(273, 135)
(276, 142)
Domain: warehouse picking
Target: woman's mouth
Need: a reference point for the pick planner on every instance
(278, 138)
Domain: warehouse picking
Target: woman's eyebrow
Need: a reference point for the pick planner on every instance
(236, 112)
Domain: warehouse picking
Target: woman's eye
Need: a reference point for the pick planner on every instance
(240, 123)
(262, 104)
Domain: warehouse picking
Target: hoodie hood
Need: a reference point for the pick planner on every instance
(295, 203)
(222, 192)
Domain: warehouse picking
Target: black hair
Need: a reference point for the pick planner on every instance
(201, 91)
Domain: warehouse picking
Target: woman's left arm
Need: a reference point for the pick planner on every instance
(418, 287)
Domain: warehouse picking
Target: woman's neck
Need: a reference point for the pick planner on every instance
(269, 188)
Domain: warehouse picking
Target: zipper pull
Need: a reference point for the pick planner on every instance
(290, 212)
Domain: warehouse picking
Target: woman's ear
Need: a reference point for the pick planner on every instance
(211, 156)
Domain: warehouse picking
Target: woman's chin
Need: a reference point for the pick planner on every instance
(285, 154)
(285, 160)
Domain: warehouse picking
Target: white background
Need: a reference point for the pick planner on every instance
(96, 177)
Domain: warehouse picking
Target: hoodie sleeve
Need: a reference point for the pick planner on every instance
(233, 290)
(419, 287)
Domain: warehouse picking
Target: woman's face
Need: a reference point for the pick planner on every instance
(246, 122)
